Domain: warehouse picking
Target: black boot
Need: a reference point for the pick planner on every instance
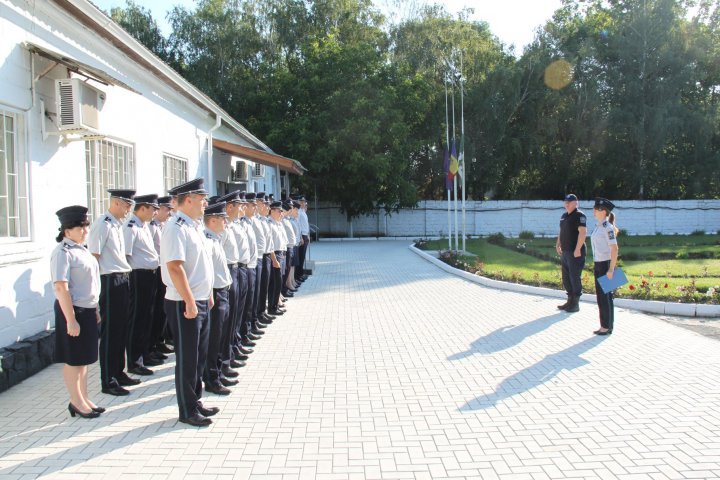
(567, 303)
(574, 305)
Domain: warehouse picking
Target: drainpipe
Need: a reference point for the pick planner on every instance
(211, 183)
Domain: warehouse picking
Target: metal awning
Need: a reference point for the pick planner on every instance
(77, 66)
(260, 156)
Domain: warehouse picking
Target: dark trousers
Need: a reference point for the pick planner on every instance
(572, 273)
(226, 338)
(247, 322)
(158, 322)
(191, 346)
(242, 277)
(300, 271)
(276, 283)
(288, 265)
(114, 312)
(258, 287)
(604, 300)
(142, 301)
(264, 284)
(218, 316)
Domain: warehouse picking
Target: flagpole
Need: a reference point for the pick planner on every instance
(447, 143)
(455, 176)
(462, 145)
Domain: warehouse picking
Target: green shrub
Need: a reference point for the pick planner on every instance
(697, 233)
(497, 239)
(681, 255)
(623, 232)
(630, 256)
(526, 235)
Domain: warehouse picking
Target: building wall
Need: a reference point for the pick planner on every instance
(430, 218)
(154, 118)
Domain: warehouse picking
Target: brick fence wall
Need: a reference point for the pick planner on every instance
(430, 218)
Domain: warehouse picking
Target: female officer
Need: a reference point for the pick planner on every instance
(76, 281)
(605, 254)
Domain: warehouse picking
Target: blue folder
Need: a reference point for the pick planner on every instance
(608, 285)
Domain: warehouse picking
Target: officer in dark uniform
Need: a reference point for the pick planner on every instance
(187, 272)
(106, 243)
(157, 340)
(144, 260)
(570, 245)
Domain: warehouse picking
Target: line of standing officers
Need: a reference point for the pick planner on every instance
(205, 276)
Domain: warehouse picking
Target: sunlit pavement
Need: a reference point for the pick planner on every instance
(387, 367)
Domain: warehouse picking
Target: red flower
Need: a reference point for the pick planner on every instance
(650, 274)
(632, 287)
(666, 285)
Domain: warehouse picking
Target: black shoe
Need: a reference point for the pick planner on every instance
(564, 305)
(126, 381)
(152, 362)
(155, 355)
(266, 319)
(162, 348)
(217, 390)
(276, 312)
(208, 412)
(229, 372)
(140, 370)
(98, 409)
(574, 305)
(227, 382)
(252, 336)
(246, 342)
(238, 362)
(196, 420)
(115, 389)
(74, 411)
(244, 351)
(260, 324)
(606, 332)
(257, 331)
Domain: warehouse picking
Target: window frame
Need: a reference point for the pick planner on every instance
(172, 181)
(21, 215)
(104, 175)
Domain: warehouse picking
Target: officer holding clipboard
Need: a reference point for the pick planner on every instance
(605, 253)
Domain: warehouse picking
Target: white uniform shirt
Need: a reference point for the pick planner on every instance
(296, 229)
(259, 235)
(156, 230)
(139, 245)
(289, 232)
(279, 239)
(229, 244)
(303, 222)
(183, 239)
(106, 239)
(602, 237)
(252, 241)
(71, 262)
(265, 224)
(242, 241)
(221, 277)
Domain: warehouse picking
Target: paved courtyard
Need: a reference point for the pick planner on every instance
(387, 367)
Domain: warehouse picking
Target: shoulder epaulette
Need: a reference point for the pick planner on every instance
(605, 223)
(180, 221)
(131, 223)
(65, 246)
(207, 235)
(108, 219)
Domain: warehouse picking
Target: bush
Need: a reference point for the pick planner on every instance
(526, 235)
(681, 255)
(698, 233)
(623, 232)
(630, 256)
(497, 239)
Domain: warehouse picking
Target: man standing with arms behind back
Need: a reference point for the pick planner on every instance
(570, 245)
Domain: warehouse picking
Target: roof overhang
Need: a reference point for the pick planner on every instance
(260, 156)
(77, 66)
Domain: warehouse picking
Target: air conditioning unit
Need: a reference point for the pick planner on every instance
(78, 106)
(259, 170)
(240, 172)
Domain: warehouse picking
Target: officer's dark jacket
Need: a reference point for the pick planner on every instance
(569, 224)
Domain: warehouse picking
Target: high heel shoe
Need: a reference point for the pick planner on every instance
(98, 409)
(73, 410)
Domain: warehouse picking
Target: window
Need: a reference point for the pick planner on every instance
(14, 218)
(174, 171)
(110, 164)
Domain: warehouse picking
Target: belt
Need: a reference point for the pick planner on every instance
(232, 265)
(84, 309)
(266, 255)
(279, 252)
(242, 265)
(117, 274)
(222, 289)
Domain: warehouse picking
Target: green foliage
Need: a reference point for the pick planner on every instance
(526, 235)
(496, 239)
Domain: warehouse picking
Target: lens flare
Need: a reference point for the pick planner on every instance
(558, 74)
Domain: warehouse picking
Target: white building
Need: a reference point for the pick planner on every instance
(127, 120)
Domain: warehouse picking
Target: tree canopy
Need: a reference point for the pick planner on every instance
(613, 97)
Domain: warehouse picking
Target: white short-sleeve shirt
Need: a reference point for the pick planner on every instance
(71, 262)
(106, 239)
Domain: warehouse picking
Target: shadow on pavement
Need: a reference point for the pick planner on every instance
(535, 375)
(506, 337)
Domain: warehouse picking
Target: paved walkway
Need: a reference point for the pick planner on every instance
(387, 367)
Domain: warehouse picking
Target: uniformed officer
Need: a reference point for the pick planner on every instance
(279, 242)
(75, 276)
(294, 285)
(229, 241)
(218, 317)
(570, 244)
(106, 243)
(287, 222)
(144, 261)
(605, 254)
(250, 322)
(187, 272)
(157, 340)
(269, 259)
(304, 224)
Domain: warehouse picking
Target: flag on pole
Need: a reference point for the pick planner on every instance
(453, 169)
(446, 168)
(461, 153)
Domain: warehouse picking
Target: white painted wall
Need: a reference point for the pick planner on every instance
(510, 217)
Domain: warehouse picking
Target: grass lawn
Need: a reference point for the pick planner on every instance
(685, 280)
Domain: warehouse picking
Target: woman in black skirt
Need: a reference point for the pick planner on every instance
(76, 281)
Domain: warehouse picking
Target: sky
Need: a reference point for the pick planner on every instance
(512, 21)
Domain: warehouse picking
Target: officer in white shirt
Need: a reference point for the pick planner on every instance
(106, 243)
(279, 242)
(144, 260)
(187, 272)
(304, 224)
(250, 322)
(159, 332)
